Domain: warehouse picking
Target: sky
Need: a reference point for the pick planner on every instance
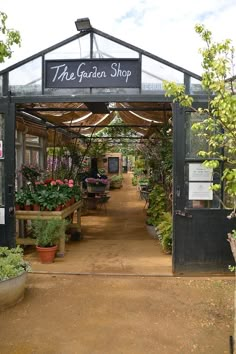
(162, 27)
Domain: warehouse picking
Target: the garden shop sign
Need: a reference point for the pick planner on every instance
(93, 73)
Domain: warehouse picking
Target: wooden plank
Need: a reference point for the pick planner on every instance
(25, 241)
(46, 215)
(33, 215)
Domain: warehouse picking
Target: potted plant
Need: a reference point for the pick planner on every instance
(47, 234)
(116, 181)
(13, 271)
(20, 199)
(96, 185)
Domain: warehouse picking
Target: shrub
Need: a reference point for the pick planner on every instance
(157, 205)
(12, 263)
(48, 232)
(164, 231)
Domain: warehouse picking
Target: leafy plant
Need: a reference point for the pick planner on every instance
(157, 152)
(116, 178)
(134, 181)
(48, 232)
(164, 231)
(9, 38)
(20, 198)
(30, 173)
(218, 124)
(116, 181)
(143, 180)
(49, 194)
(157, 205)
(12, 263)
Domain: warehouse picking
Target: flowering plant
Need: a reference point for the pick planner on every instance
(30, 172)
(97, 181)
(50, 194)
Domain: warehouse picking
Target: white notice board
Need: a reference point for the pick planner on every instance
(1, 149)
(198, 172)
(200, 191)
(2, 216)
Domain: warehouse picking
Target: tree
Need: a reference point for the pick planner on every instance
(218, 125)
(8, 37)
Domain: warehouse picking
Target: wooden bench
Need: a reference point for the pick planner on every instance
(73, 212)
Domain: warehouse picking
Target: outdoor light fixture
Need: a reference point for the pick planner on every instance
(83, 24)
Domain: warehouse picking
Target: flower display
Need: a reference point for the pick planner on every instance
(97, 181)
(49, 195)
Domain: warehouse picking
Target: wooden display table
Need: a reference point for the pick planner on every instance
(46, 215)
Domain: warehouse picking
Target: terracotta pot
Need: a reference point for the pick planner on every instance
(27, 207)
(46, 254)
(17, 207)
(68, 204)
(58, 208)
(36, 207)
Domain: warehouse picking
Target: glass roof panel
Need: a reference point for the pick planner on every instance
(105, 48)
(66, 91)
(79, 48)
(27, 78)
(196, 87)
(154, 73)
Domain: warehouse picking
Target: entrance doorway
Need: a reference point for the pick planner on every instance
(119, 206)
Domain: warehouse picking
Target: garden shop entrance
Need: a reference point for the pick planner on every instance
(72, 90)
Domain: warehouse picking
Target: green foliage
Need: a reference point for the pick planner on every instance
(30, 173)
(177, 92)
(134, 181)
(119, 135)
(229, 176)
(66, 162)
(98, 148)
(116, 178)
(157, 152)
(48, 195)
(140, 164)
(157, 205)
(12, 263)
(164, 231)
(48, 232)
(20, 198)
(137, 172)
(218, 124)
(8, 38)
(143, 180)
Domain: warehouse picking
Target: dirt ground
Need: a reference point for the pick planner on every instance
(114, 293)
(67, 314)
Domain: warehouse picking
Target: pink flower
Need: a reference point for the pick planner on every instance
(53, 183)
(58, 181)
(71, 181)
(70, 185)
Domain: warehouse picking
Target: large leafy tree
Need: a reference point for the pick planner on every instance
(218, 124)
(8, 38)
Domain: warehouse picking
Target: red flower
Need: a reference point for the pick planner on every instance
(58, 181)
(48, 181)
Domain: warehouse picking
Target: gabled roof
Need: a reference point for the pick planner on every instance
(26, 79)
